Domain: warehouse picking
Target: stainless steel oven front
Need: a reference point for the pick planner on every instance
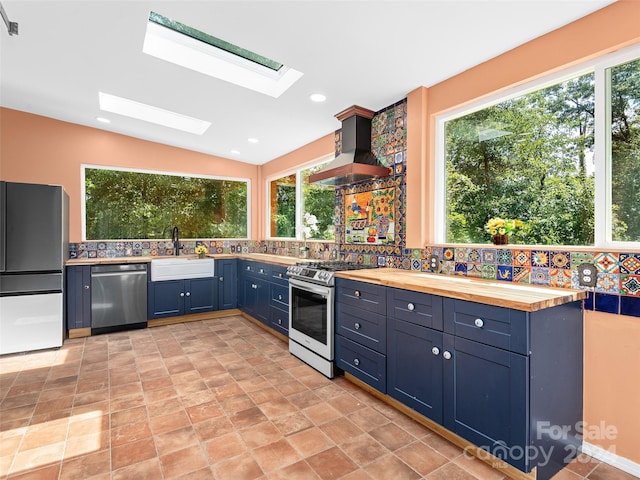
(311, 324)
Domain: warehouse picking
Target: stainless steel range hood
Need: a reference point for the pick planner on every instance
(356, 163)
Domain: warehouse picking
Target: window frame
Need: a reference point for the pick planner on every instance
(299, 200)
(83, 195)
(601, 149)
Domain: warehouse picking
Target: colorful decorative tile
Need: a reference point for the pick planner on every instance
(461, 268)
(448, 254)
(382, 261)
(474, 255)
(504, 256)
(488, 255)
(390, 261)
(522, 274)
(630, 285)
(505, 273)
(448, 267)
(462, 255)
(539, 276)
(629, 263)
(559, 277)
(474, 270)
(521, 258)
(608, 283)
(539, 258)
(561, 260)
(416, 264)
(606, 262)
(406, 264)
(489, 271)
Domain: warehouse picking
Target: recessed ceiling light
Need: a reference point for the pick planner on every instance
(148, 113)
(235, 152)
(103, 120)
(183, 45)
(317, 97)
(252, 140)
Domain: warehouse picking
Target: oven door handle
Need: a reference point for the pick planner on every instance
(309, 287)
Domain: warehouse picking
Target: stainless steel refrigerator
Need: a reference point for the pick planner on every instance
(33, 249)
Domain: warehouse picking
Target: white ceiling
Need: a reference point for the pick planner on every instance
(367, 53)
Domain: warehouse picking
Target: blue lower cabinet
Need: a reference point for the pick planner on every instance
(171, 298)
(414, 367)
(279, 320)
(227, 275)
(78, 293)
(361, 362)
(486, 398)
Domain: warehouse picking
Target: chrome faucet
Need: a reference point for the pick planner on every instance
(175, 238)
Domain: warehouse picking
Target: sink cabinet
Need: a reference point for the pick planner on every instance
(78, 293)
(171, 298)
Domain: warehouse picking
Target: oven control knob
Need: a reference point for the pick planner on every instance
(356, 362)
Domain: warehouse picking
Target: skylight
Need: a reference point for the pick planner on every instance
(149, 113)
(183, 45)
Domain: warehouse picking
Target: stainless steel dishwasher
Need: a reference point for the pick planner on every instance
(118, 297)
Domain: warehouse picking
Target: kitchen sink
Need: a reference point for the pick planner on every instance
(181, 268)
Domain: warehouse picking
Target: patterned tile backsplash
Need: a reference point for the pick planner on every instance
(617, 288)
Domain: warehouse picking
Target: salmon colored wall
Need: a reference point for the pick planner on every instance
(611, 383)
(38, 149)
(604, 31)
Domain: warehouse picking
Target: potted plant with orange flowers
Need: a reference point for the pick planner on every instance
(501, 228)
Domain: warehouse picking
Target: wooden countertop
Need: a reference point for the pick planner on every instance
(503, 294)
(492, 292)
(259, 257)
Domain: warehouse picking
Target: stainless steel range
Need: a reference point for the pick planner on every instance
(311, 311)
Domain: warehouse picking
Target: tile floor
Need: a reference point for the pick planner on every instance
(213, 399)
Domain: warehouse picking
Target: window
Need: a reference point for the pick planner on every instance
(128, 204)
(291, 196)
(624, 150)
(541, 156)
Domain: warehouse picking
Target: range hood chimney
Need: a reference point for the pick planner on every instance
(356, 163)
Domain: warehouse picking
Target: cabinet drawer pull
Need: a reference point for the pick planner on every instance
(279, 321)
(182, 294)
(357, 293)
(411, 307)
(262, 270)
(254, 286)
(87, 287)
(188, 294)
(435, 351)
(447, 355)
(479, 322)
(248, 267)
(221, 279)
(356, 362)
(279, 297)
(357, 326)
(279, 275)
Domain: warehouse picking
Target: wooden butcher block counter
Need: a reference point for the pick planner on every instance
(528, 298)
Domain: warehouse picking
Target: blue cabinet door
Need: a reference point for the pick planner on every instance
(165, 299)
(227, 273)
(78, 293)
(200, 295)
(414, 367)
(486, 398)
